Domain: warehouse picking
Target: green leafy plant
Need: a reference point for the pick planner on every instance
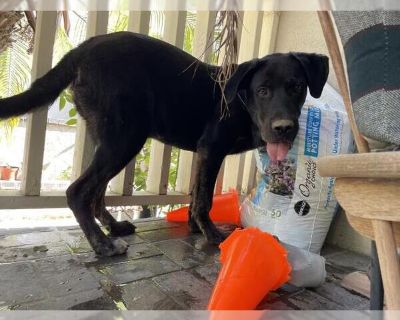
(191, 19)
(15, 62)
(142, 166)
(66, 174)
(118, 21)
(63, 44)
(66, 97)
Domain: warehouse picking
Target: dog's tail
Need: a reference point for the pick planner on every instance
(45, 89)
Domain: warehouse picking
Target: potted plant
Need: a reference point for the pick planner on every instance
(8, 172)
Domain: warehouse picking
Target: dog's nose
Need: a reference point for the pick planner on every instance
(282, 126)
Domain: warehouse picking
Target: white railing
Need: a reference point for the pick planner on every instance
(256, 39)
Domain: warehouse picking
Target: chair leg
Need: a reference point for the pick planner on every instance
(388, 260)
(376, 300)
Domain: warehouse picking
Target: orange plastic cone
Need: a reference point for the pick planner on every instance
(225, 208)
(254, 263)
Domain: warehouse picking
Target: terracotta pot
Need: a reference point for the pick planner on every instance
(8, 173)
(5, 173)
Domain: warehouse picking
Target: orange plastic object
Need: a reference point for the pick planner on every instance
(253, 264)
(6, 173)
(225, 208)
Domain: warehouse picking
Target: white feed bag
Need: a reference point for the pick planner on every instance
(292, 201)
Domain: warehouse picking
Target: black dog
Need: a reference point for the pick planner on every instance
(130, 87)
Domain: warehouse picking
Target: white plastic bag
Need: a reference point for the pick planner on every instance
(292, 201)
(308, 269)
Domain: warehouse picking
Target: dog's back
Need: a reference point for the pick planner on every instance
(172, 93)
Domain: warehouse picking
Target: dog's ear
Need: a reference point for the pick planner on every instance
(316, 67)
(239, 79)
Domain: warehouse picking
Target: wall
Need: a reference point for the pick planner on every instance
(301, 31)
(341, 234)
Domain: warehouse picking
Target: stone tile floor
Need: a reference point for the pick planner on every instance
(166, 268)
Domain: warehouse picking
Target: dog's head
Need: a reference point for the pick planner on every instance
(274, 89)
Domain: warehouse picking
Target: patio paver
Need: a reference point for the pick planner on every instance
(166, 268)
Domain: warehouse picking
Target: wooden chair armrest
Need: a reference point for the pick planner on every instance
(382, 165)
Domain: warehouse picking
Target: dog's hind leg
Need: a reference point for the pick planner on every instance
(85, 193)
(116, 228)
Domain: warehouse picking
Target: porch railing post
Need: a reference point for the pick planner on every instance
(160, 154)
(46, 26)
(201, 50)
(122, 184)
(249, 49)
(84, 145)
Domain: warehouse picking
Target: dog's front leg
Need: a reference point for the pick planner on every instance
(210, 157)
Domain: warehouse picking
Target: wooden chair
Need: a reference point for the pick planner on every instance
(368, 188)
(367, 185)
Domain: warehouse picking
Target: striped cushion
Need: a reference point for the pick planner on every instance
(371, 42)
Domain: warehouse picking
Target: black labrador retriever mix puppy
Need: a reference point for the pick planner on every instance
(129, 87)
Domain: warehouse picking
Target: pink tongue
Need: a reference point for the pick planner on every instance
(277, 151)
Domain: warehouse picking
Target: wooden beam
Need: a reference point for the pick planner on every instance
(201, 50)
(269, 28)
(240, 172)
(203, 35)
(251, 35)
(376, 165)
(186, 171)
(389, 262)
(220, 179)
(219, 185)
(234, 165)
(249, 172)
(379, 197)
(122, 184)
(160, 154)
(46, 26)
(249, 48)
(160, 160)
(84, 144)
(59, 200)
(174, 27)
(139, 21)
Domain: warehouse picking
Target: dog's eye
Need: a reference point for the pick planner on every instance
(263, 91)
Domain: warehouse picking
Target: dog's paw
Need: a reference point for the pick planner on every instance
(214, 236)
(120, 246)
(216, 239)
(112, 248)
(121, 229)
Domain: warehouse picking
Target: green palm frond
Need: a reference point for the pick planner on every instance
(157, 23)
(191, 19)
(15, 74)
(227, 23)
(118, 21)
(78, 31)
(62, 44)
